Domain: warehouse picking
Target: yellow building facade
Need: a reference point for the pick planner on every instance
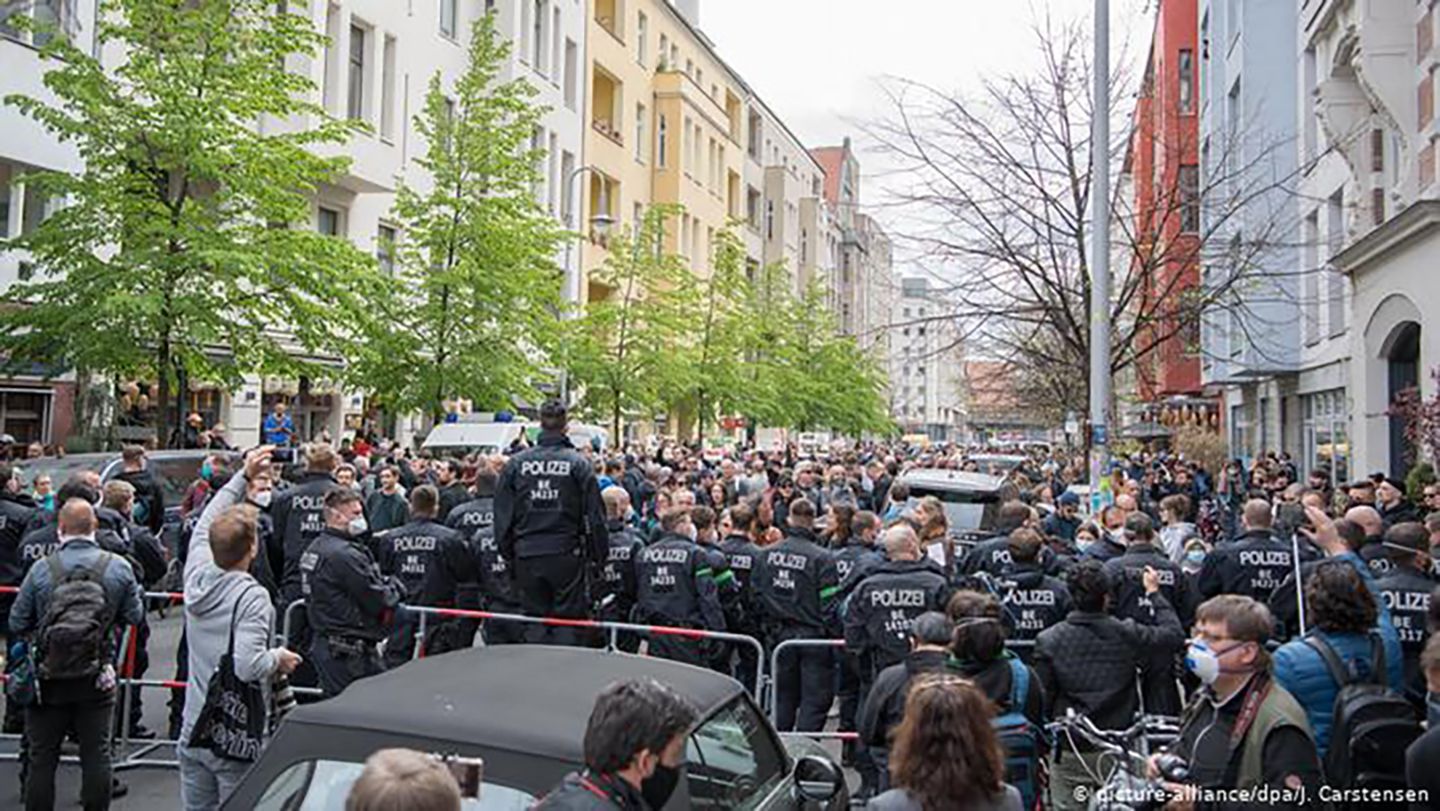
(666, 122)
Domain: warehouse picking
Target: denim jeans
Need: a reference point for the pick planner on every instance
(207, 779)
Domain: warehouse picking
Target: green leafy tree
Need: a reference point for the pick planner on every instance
(768, 312)
(184, 245)
(478, 250)
(833, 382)
(629, 350)
(717, 342)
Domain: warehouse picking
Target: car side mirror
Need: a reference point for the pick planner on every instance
(817, 779)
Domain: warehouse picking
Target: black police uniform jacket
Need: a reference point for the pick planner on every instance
(1254, 565)
(796, 583)
(345, 593)
(16, 511)
(587, 792)
(618, 571)
(429, 559)
(547, 502)
(1127, 585)
(740, 554)
(1030, 602)
(885, 603)
(675, 584)
(472, 515)
(495, 579)
(1406, 592)
(149, 494)
(992, 556)
(299, 515)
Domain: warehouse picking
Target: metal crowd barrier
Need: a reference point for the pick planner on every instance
(614, 629)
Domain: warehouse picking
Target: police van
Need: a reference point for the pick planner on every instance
(459, 438)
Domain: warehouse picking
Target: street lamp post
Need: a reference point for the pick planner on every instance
(572, 274)
(1100, 260)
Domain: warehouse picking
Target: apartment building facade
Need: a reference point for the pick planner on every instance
(927, 368)
(1253, 353)
(1373, 64)
(864, 290)
(1163, 164)
(377, 69)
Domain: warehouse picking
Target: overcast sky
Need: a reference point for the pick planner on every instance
(816, 62)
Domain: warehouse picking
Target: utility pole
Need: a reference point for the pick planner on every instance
(1100, 260)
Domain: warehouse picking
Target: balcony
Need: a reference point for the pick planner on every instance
(608, 15)
(607, 95)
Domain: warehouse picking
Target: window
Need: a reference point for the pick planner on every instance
(567, 170)
(685, 153)
(664, 48)
(327, 222)
(1310, 292)
(642, 35)
(5, 192)
(355, 105)
(448, 17)
(662, 139)
(385, 249)
(538, 37)
(1187, 80)
(1189, 193)
(1326, 435)
(326, 784)
(526, 10)
(48, 17)
(769, 219)
(387, 91)
(641, 143)
(733, 759)
(572, 67)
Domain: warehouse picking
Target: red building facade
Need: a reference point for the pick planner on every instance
(1163, 164)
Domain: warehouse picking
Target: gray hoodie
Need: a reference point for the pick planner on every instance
(211, 594)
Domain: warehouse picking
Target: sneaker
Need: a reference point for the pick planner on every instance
(140, 732)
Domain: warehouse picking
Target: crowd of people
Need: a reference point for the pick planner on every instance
(1250, 604)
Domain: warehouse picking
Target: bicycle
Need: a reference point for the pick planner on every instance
(1124, 781)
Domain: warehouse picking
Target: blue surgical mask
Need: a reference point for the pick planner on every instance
(1195, 556)
(206, 471)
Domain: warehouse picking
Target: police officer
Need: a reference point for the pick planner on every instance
(1406, 592)
(1030, 599)
(348, 601)
(886, 602)
(496, 590)
(741, 554)
(993, 556)
(675, 586)
(796, 584)
(479, 510)
(299, 517)
(1129, 601)
(16, 509)
(1254, 565)
(858, 556)
(432, 562)
(618, 573)
(469, 518)
(550, 525)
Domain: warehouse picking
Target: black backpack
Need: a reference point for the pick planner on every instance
(1372, 726)
(73, 639)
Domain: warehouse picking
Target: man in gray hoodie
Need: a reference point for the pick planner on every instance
(219, 587)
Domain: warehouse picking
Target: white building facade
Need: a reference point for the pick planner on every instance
(926, 363)
(377, 68)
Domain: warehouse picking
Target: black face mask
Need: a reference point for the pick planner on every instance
(657, 788)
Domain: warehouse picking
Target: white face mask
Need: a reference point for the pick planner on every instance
(1204, 661)
(357, 526)
(262, 499)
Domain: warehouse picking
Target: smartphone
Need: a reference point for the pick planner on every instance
(283, 455)
(468, 772)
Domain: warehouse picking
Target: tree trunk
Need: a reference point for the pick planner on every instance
(163, 437)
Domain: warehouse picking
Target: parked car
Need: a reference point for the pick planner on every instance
(971, 501)
(173, 470)
(523, 709)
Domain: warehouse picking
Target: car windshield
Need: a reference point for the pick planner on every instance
(58, 468)
(966, 510)
(323, 785)
(733, 759)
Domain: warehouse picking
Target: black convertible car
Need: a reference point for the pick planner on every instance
(523, 710)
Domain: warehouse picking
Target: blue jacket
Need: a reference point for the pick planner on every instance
(122, 591)
(1301, 671)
